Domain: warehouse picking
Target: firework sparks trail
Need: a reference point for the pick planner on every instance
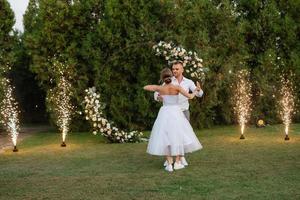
(10, 112)
(242, 99)
(287, 103)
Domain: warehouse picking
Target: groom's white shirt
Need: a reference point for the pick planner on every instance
(187, 85)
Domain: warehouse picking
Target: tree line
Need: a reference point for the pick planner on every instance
(108, 44)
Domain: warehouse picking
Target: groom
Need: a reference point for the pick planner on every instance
(188, 85)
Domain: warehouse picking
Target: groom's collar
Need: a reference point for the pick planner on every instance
(174, 79)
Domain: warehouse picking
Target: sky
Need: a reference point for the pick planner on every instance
(19, 7)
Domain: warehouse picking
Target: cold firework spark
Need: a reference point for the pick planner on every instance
(10, 112)
(242, 99)
(60, 97)
(287, 103)
(64, 107)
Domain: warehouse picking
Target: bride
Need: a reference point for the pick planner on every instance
(172, 134)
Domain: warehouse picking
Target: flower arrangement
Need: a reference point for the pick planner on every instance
(93, 113)
(191, 62)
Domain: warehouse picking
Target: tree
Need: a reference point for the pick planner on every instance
(7, 21)
(271, 33)
(125, 60)
(108, 44)
(60, 28)
(6, 45)
(213, 30)
(6, 40)
(29, 95)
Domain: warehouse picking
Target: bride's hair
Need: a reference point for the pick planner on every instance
(166, 75)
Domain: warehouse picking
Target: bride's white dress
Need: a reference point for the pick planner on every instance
(172, 133)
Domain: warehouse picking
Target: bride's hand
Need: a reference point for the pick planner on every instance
(193, 94)
(160, 98)
(198, 88)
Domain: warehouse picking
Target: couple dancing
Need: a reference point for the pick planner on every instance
(172, 134)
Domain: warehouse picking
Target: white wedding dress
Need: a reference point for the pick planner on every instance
(172, 133)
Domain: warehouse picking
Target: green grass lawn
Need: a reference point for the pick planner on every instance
(263, 166)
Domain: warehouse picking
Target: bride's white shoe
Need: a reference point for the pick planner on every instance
(183, 161)
(169, 168)
(178, 165)
(166, 163)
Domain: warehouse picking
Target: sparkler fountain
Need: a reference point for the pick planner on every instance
(60, 98)
(64, 108)
(10, 112)
(242, 99)
(287, 104)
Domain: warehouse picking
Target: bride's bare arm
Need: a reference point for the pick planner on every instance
(186, 94)
(152, 88)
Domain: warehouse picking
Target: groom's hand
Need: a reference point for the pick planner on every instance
(198, 86)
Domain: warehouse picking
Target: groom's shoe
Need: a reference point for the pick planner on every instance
(183, 161)
(178, 166)
(169, 168)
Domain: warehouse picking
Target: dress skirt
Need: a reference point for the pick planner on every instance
(172, 133)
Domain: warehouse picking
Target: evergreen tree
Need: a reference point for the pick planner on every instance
(126, 63)
(271, 32)
(61, 28)
(7, 21)
(109, 44)
(213, 30)
(6, 40)
(29, 95)
(30, 17)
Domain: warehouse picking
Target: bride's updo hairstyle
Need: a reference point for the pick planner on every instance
(166, 75)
